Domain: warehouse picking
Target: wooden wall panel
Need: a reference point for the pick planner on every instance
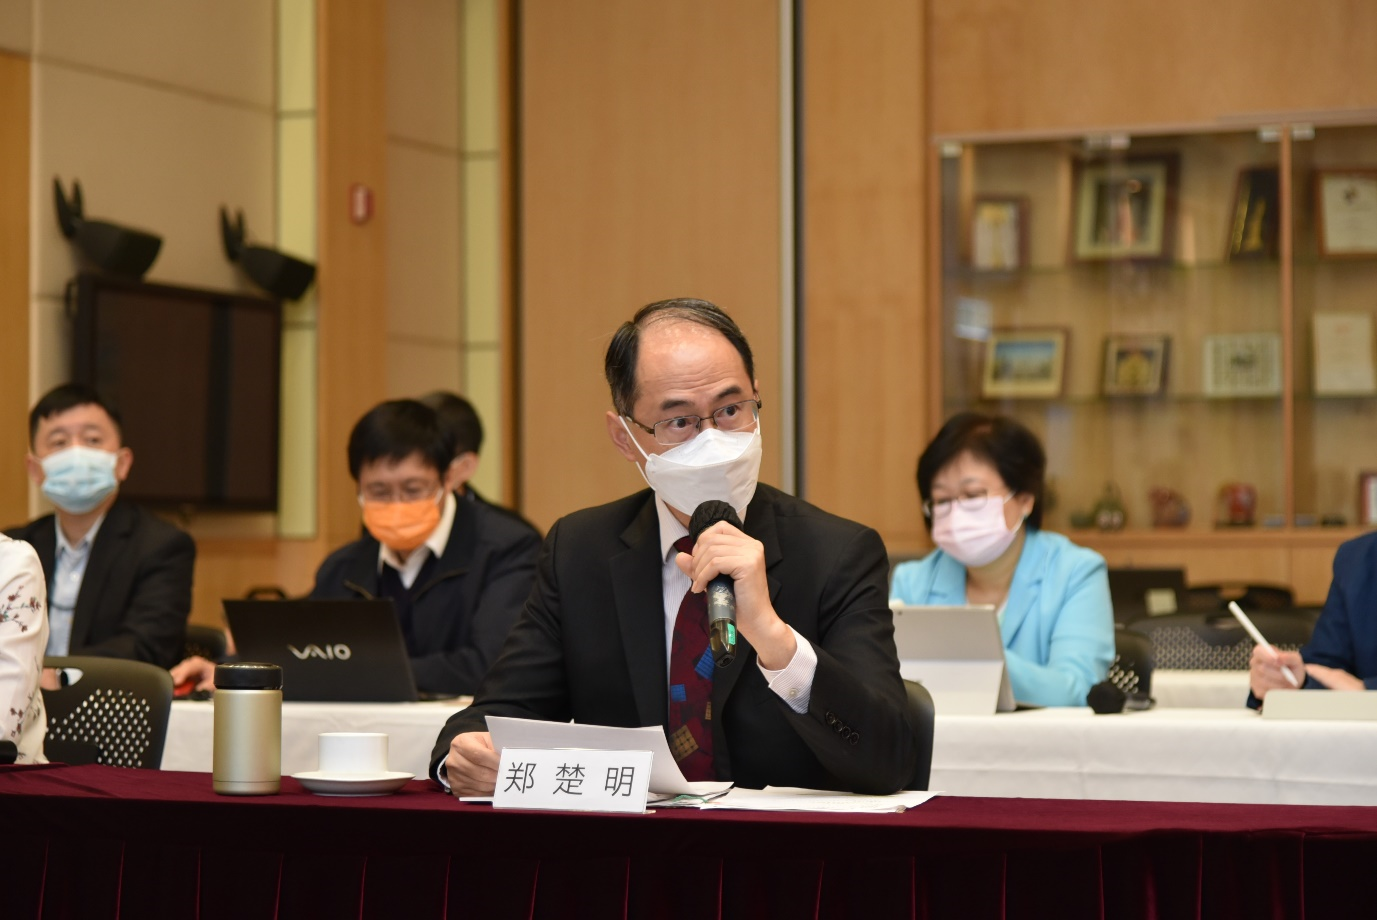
(352, 303)
(14, 285)
(230, 568)
(864, 239)
(1010, 65)
(352, 279)
(649, 168)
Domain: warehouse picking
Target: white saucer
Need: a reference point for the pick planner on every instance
(353, 783)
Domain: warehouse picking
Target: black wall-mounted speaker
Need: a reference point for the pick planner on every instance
(275, 272)
(108, 246)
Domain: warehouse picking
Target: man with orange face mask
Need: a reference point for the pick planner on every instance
(457, 572)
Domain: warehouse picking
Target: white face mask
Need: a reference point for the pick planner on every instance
(714, 466)
(975, 538)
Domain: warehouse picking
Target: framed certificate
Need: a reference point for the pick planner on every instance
(1346, 213)
(1343, 355)
(1246, 365)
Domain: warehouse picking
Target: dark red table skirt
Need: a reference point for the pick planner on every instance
(95, 842)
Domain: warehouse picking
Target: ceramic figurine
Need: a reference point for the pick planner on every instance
(1237, 506)
(1169, 508)
(1109, 510)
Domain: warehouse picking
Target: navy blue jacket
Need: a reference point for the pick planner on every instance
(468, 602)
(1346, 634)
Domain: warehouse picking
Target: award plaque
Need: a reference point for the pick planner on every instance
(1346, 213)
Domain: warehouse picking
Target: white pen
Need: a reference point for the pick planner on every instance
(1256, 636)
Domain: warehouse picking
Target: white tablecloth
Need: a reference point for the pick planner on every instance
(1200, 689)
(1183, 755)
(1188, 755)
(411, 728)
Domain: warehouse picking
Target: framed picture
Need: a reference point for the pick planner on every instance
(1253, 230)
(999, 233)
(1346, 213)
(1124, 209)
(1367, 499)
(1024, 364)
(1247, 364)
(1135, 365)
(1344, 364)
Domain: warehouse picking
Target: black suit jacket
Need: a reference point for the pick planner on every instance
(136, 594)
(590, 646)
(470, 598)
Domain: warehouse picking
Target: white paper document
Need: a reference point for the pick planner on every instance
(788, 798)
(665, 777)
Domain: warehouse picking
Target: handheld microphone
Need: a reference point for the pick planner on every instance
(721, 590)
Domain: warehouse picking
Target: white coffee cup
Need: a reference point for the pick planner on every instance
(353, 752)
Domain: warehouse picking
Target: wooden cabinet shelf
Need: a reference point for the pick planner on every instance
(1204, 243)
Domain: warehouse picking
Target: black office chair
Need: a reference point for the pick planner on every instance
(1248, 596)
(1131, 671)
(114, 712)
(1216, 641)
(206, 641)
(921, 716)
(1130, 590)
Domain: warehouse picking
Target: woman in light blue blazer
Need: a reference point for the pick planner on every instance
(981, 481)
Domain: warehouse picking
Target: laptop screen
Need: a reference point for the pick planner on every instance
(329, 651)
(957, 654)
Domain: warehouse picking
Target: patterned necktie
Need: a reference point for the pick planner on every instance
(690, 684)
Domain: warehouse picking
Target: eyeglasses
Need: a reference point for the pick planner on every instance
(972, 501)
(408, 492)
(738, 416)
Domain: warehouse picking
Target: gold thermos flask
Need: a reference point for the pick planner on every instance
(247, 755)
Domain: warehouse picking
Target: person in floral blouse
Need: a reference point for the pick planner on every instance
(23, 638)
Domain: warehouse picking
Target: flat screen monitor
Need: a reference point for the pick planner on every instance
(195, 376)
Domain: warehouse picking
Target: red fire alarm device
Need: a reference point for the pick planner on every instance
(360, 203)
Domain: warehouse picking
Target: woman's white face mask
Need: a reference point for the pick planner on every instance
(975, 538)
(715, 466)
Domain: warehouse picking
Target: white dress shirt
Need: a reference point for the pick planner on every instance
(69, 568)
(793, 683)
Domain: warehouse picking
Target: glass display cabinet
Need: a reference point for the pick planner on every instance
(1186, 319)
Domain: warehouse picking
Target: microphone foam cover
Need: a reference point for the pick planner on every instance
(709, 513)
(1106, 698)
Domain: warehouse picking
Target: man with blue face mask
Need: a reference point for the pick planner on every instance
(119, 579)
(614, 631)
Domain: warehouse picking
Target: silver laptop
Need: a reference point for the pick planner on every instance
(330, 651)
(956, 653)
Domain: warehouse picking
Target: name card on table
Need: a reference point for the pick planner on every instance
(573, 780)
(1328, 705)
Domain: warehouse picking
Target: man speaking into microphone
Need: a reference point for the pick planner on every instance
(803, 689)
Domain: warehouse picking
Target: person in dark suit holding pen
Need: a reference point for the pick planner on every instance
(119, 578)
(1342, 652)
(610, 636)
